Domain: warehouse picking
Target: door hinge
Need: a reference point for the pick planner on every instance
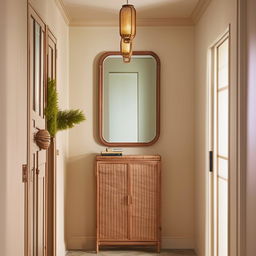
(211, 161)
(24, 173)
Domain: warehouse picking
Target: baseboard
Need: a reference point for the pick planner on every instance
(81, 242)
(168, 242)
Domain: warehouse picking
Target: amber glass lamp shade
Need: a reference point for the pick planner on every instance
(126, 50)
(126, 47)
(127, 22)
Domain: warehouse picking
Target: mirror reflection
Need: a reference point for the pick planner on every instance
(129, 95)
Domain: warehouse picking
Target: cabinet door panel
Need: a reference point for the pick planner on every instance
(113, 208)
(144, 209)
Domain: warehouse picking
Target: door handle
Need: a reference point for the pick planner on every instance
(211, 161)
(43, 139)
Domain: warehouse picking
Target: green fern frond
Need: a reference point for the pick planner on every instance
(56, 119)
(51, 110)
(68, 118)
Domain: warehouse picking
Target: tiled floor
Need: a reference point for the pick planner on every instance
(131, 253)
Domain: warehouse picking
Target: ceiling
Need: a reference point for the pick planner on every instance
(149, 12)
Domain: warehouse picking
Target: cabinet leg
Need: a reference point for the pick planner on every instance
(158, 248)
(97, 247)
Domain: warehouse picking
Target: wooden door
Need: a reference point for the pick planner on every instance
(112, 202)
(51, 55)
(36, 183)
(145, 205)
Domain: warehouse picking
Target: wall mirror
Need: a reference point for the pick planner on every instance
(129, 95)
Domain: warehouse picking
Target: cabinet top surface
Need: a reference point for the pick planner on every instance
(129, 157)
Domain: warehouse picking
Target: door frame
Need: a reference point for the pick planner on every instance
(237, 242)
(241, 126)
(211, 185)
(51, 158)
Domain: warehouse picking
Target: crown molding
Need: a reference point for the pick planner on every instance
(166, 22)
(191, 21)
(63, 10)
(199, 10)
(140, 22)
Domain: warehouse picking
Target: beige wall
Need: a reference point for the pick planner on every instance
(211, 26)
(13, 118)
(13, 111)
(175, 47)
(251, 131)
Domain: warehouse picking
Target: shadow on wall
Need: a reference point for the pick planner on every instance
(80, 201)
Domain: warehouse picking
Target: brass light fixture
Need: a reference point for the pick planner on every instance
(127, 26)
(126, 50)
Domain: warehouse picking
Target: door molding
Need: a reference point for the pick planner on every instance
(238, 241)
(241, 116)
(51, 42)
(212, 177)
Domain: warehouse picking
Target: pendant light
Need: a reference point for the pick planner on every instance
(127, 26)
(127, 22)
(126, 50)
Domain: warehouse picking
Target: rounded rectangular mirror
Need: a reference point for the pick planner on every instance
(129, 94)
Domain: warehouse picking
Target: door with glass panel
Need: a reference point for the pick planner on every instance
(36, 182)
(219, 148)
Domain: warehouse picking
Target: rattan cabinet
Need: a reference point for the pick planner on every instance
(128, 200)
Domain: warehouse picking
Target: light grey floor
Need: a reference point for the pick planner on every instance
(137, 253)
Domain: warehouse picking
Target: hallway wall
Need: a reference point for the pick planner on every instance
(13, 116)
(13, 119)
(213, 24)
(175, 47)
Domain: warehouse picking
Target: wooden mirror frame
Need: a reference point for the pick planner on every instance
(100, 101)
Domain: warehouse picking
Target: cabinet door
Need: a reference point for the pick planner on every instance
(112, 201)
(145, 204)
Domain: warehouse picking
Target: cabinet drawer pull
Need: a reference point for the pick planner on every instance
(129, 197)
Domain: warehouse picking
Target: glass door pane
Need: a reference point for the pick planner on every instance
(222, 147)
(223, 123)
(37, 67)
(218, 182)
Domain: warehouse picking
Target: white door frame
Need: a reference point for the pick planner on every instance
(211, 180)
(237, 205)
(241, 127)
